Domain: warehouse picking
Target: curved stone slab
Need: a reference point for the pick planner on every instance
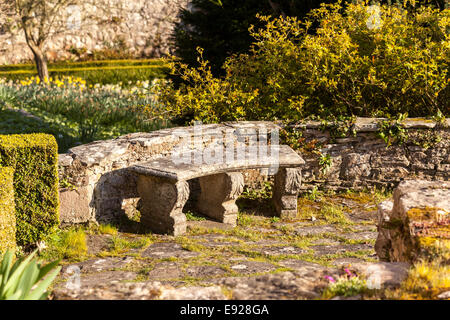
(167, 167)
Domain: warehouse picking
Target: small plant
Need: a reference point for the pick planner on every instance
(26, 279)
(107, 229)
(275, 219)
(393, 131)
(334, 214)
(264, 193)
(292, 137)
(341, 127)
(119, 244)
(192, 216)
(346, 285)
(325, 162)
(313, 194)
(244, 220)
(439, 117)
(66, 244)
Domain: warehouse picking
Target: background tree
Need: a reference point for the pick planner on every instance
(221, 27)
(39, 20)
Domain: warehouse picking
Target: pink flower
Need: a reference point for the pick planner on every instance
(348, 272)
(329, 278)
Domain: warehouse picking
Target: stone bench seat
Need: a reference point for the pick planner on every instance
(163, 188)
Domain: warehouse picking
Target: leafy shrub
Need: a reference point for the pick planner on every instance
(203, 96)
(26, 279)
(34, 158)
(221, 27)
(7, 211)
(352, 64)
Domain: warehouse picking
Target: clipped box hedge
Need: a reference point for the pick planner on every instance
(7, 210)
(34, 158)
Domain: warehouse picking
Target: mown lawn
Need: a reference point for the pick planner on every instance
(16, 122)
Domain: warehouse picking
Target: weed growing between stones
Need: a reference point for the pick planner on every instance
(107, 229)
(67, 244)
(334, 214)
(193, 216)
(120, 244)
(344, 286)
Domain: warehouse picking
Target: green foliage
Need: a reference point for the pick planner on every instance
(202, 96)
(325, 162)
(13, 122)
(292, 137)
(7, 211)
(120, 244)
(393, 131)
(341, 127)
(222, 28)
(107, 229)
(26, 279)
(192, 216)
(439, 117)
(339, 61)
(346, 287)
(34, 158)
(265, 192)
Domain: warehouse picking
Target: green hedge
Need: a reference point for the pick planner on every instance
(94, 72)
(7, 211)
(34, 158)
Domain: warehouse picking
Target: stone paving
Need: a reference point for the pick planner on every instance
(262, 258)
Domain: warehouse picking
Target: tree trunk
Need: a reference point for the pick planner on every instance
(41, 63)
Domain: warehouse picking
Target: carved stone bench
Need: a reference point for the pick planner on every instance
(164, 190)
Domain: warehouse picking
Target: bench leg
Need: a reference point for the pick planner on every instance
(218, 196)
(286, 186)
(162, 204)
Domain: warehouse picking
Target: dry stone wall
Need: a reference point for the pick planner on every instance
(142, 27)
(99, 186)
(364, 160)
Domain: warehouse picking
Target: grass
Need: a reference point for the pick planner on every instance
(107, 229)
(426, 280)
(67, 244)
(120, 245)
(14, 122)
(333, 214)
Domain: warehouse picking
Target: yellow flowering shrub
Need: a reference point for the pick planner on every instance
(358, 59)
